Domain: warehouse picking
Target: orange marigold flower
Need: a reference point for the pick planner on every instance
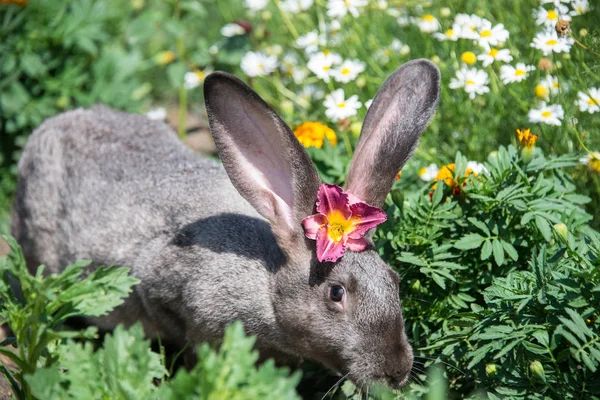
(398, 175)
(312, 134)
(22, 3)
(526, 138)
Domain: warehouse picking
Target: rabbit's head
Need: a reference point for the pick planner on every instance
(345, 314)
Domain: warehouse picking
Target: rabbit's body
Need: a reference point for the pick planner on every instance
(82, 199)
(214, 243)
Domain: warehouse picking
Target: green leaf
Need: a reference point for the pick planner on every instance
(544, 227)
(486, 250)
(498, 251)
(510, 250)
(482, 226)
(470, 241)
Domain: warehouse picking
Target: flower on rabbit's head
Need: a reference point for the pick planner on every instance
(340, 223)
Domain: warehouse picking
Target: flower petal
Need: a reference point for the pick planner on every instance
(356, 244)
(367, 217)
(312, 224)
(332, 198)
(327, 249)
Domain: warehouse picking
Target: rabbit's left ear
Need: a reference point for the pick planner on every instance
(264, 161)
(398, 115)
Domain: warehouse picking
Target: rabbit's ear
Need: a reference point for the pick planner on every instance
(398, 115)
(265, 162)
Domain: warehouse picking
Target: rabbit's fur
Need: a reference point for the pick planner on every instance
(121, 189)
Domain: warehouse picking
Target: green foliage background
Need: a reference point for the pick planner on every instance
(501, 283)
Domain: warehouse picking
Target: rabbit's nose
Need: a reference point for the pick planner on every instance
(397, 379)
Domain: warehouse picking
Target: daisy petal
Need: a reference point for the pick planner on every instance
(367, 217)
(312, 224)
(332, 198)
(327, 249)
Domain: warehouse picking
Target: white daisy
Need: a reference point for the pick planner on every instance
(590, 101)
(476, 167)
(549, 42)
(258, 64)
(295, 6)
(157, 114)
(428, 23)
(547, 114)
(429, 172)
(472, 80)
(339, 8)
(338, 107)
(580, 7)
(491, 36)
(368, 103)
(449, 34)
(466, 26)
(230, 30)
(192, 79)
(256, 5)
(348, 71)
(289, 67)
(549, 18)
(310, 42)
(592, 160)
(321, 64)
(492, 55)
(510, 74)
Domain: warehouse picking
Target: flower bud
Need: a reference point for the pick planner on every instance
(266, 15)
(287, 107)
(544, 64)
(445, 12)
(583, 32)
(562, 230)
(537, 370)
(361, 82)
(355, 128)
(491, 370)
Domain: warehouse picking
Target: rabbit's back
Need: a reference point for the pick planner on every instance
(99, 184)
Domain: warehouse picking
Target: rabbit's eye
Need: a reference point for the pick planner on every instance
(336, 293)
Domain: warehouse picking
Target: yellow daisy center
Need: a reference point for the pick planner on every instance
(593, 101)
(547, 114)
(342, 104)
(449, 33)
(552, 15)
(541, 91)
(470, 82)
(345, 71)
(428, 18)
(552, 42)
(493, 53)
(520, 72)
(486, 33)
(326, 67)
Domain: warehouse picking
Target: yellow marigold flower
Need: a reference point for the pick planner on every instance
(468, 57)
(446, 174)
(165, 57)
(314, 133)
(526, 138)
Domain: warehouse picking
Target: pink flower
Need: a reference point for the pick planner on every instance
(341, 222)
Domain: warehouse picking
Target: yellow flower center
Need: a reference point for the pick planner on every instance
(552, 42)
(541, 92)
(594, 164)
(468, 57)
(261, 65)
(338, 225)
(520, 72)
(345, 71)
(428, 18)
(326, 67)
(546, 114)
(342, 104)
(449, 33)
(486, 33)
(469, 82)
(201, 75)
(552, 15)
(593, 101)
(493, 53)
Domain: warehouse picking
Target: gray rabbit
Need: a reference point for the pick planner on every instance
(215, 243)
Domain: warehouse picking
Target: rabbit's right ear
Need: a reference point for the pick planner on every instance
(264, 161)
(400, 112)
